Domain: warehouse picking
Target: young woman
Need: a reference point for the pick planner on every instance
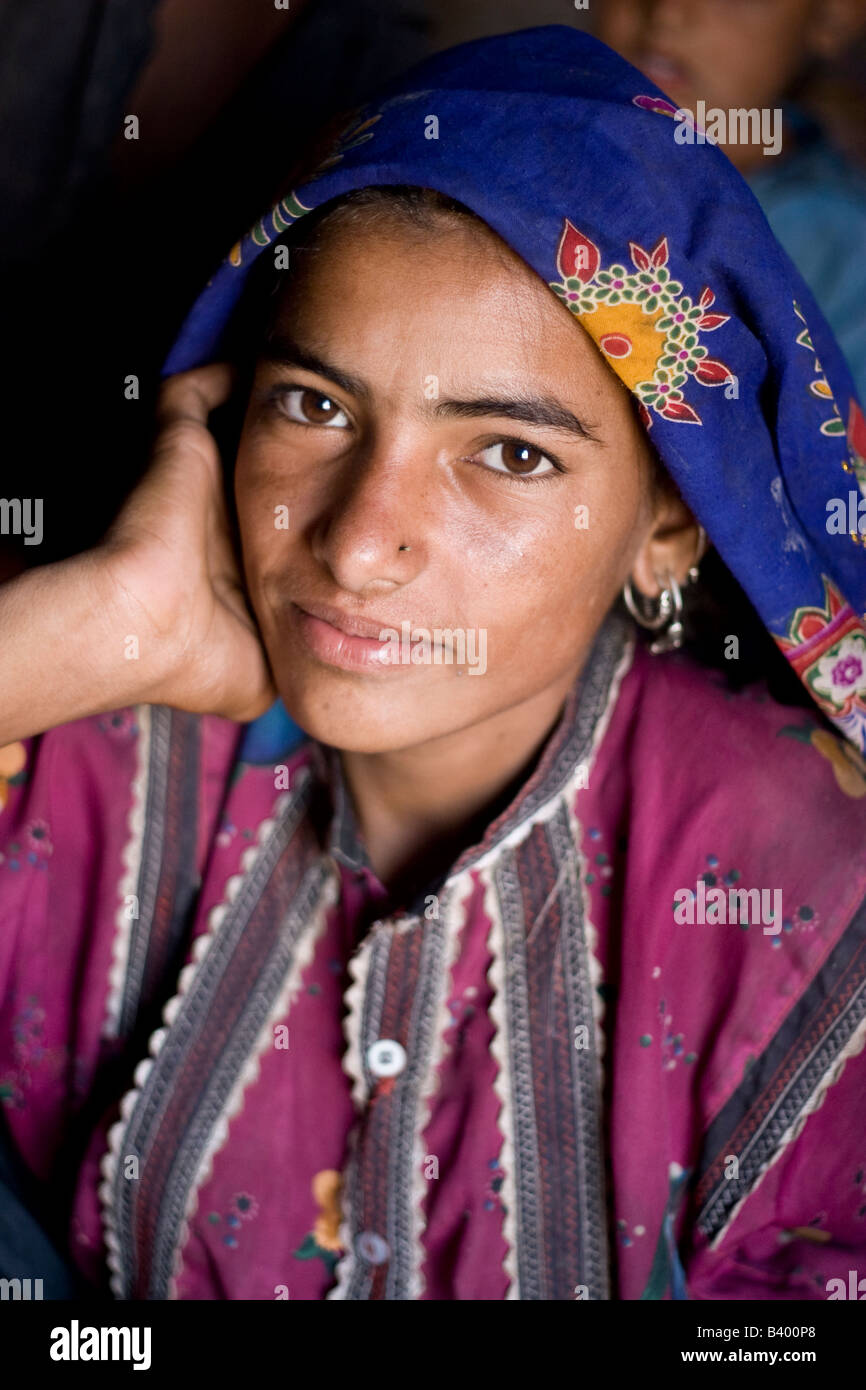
(538, 970)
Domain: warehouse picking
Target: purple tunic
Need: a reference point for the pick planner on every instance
(540, 1081)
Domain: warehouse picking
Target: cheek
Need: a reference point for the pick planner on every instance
(746, 64)
(266, 517)
(271, 498)
(620, 23)
(562, 557)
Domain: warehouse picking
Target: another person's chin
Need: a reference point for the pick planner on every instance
(684, 92)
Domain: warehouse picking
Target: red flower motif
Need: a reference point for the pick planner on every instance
(711, 372)
(577, 255)
(650, 260)
(711, 321)
(681, 412)
(645, 415)
(707, 297)
(856, 428)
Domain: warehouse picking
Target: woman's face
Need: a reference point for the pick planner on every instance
(432, 442)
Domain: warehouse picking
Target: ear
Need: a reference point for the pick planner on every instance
(670, 546)
(834, 24)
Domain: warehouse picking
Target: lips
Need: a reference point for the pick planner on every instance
(346, 622)
(666, 72)
(342, 640)
(352, 643)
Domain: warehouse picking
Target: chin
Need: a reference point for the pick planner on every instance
(365, 720)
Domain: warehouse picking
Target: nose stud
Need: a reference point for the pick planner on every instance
(405, 547)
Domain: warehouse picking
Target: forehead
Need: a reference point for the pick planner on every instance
(448, 288)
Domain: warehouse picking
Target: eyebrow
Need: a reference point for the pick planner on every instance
(285, 352)
(544, 411)
(531, 410)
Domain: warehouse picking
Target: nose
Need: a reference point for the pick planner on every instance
(371, 535)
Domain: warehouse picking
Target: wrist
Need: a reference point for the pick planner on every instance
(130, 658)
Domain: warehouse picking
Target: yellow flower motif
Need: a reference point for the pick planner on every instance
(849, 768)
(12, 761)
(628, 338)
(326, 1186)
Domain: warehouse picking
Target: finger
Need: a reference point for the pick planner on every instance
(193, 395)
(180, 494)
(183, 407)
(222, 561)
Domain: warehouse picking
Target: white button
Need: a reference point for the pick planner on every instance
(372, 1249)
(386, 1057)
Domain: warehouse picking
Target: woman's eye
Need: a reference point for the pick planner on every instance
(309, 407)
(514, 457)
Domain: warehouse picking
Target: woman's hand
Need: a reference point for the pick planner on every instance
(170, 568)
(156, 613)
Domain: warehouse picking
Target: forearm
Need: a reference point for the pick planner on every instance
(69, 649)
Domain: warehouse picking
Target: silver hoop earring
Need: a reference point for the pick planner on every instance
(669, 604)
(666, 618)
(700, 551)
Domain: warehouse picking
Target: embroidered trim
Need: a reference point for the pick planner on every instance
(580, 972)
(453, 908)
(154, 847)
(594, 693)
(143, 1108)
(590, 930)
(515, 1047)
(358, 1001)
(127, 888)
(827, 649)
(319, 901)
(558, 1158)
(530, 1264)
(591, 935)
(396, 1123)
(503, 1083)
(161, 853)
(364, 1000)
(787, 1082)
(853, 1048)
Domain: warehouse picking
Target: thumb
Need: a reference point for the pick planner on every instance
(193, 395)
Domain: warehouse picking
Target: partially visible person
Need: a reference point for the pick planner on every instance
(754, 54)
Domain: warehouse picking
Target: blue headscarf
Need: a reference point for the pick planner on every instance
(662, 252)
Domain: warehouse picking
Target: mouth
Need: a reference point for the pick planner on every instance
(345, 641)
(666, 72)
